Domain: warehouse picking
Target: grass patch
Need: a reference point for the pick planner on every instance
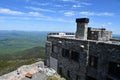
(29, 56)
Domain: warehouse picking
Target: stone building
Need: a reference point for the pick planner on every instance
(88, 54)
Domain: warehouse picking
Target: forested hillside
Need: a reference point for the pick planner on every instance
(19, 48)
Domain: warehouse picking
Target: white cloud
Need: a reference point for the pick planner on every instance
(40, 9)
(106, 24)
(86, 3)
(78, 3)
(81, 4)
(8, 11)
(96, 14)
(70, 13)
(109, 23)
(34, 14)
(76, 6)
(41, 17)
(69, 1)
(48, 18)
(40, 4)
(12, 12)
(59, 5)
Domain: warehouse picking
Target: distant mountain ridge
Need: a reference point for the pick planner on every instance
(116, 35)
(13, 41)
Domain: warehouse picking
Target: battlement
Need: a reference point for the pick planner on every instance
(99, 34)
(65, 35)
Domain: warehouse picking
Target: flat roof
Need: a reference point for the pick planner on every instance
(72, 37)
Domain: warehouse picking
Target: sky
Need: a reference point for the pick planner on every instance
(58, 15)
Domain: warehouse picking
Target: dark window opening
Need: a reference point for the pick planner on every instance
(52, 48)
(54, 51)
(93, 61)
(109, 79)
(60, 71)
(77, 77)
(90, 78)
(68, 74)
(65, 53)
(114, 70)
(75, 56)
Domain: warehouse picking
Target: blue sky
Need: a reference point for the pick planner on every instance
(58, 15)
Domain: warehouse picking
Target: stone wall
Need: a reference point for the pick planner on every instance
(102, 53)
(99, 34)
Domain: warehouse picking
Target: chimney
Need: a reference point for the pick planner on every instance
(82, 28)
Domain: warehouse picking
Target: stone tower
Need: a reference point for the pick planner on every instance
(82, 28)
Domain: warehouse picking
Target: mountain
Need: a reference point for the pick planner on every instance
(14, 41)
(19, 48)
(116, 36)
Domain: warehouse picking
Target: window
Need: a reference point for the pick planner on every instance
(109, 79)
(75, 56)
(68, 74)
(90, 78)
(54, 49)
(60, 71)
(77, 77)
(93, 61)
(65, 53)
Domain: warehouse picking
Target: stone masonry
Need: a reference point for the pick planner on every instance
(88, 54)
